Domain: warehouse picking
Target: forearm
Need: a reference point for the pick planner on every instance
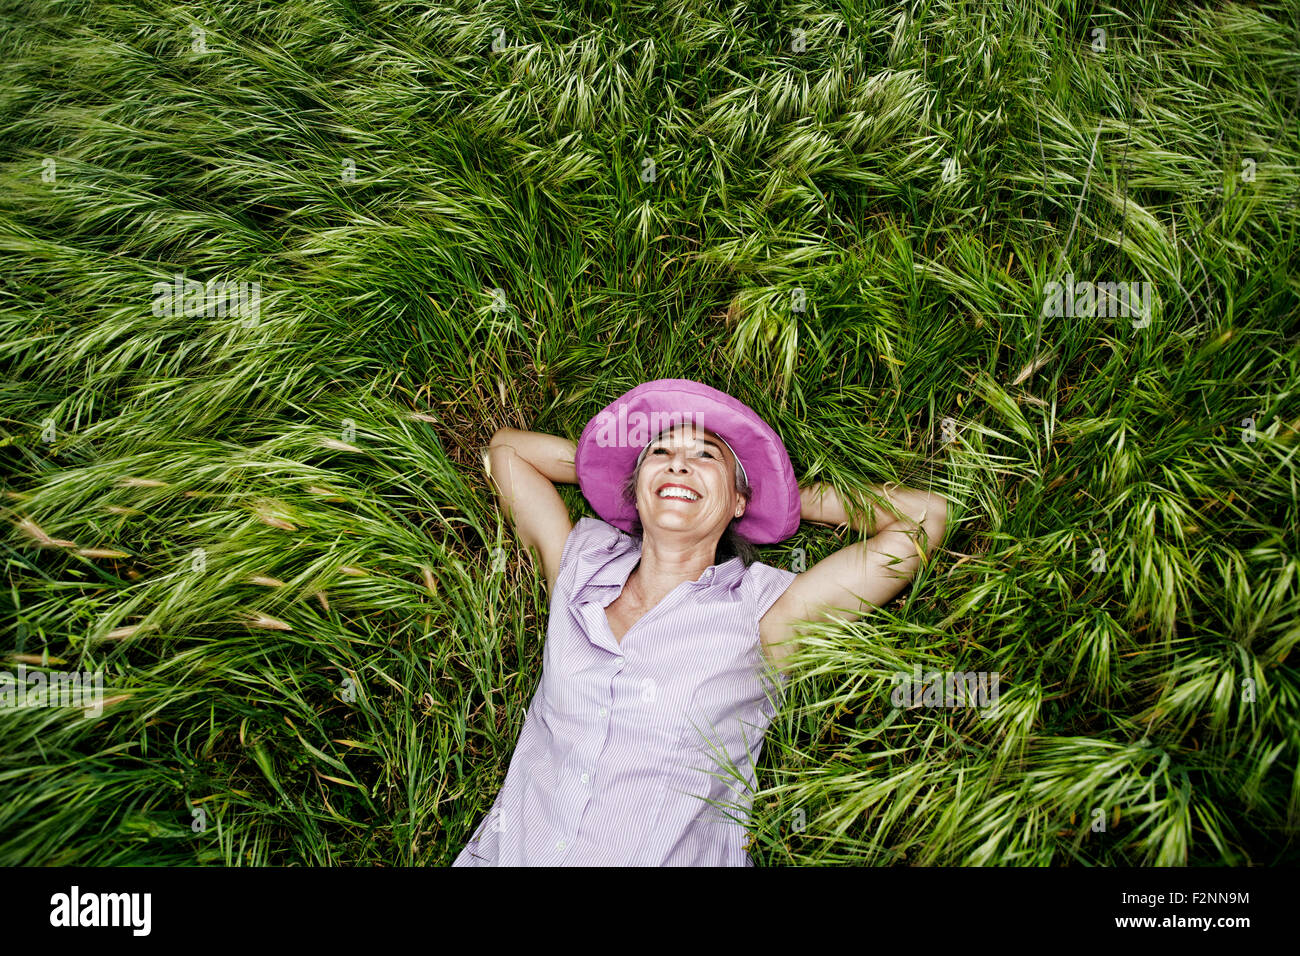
(551, 455)
(821, 504)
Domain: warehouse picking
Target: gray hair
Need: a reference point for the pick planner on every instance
(731, 544)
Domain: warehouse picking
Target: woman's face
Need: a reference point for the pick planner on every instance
(695, 461)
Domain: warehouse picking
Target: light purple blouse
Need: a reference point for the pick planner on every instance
(641, 754)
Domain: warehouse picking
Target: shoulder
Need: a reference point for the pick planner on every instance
(766, 584)
(589, 534)
(591, 546)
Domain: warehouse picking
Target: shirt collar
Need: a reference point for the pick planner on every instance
(604, 569)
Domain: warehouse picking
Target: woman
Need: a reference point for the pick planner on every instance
(640, 743)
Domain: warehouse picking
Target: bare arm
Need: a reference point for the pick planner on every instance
(821, 504)
(848, 583)
(522, 466)
(551, 455)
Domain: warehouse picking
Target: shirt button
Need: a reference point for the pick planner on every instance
(604, 711)
(585, 778)
(560, 845)
(618, 661)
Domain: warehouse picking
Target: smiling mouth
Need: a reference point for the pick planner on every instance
(677, 493)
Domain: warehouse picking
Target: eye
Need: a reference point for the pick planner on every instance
(660, 448)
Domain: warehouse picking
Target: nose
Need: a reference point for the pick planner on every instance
(679, 460)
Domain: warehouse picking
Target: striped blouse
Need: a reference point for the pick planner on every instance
(641, 754)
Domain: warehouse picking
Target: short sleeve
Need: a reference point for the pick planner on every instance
(591, 542)
(768, 584)
(587, 533)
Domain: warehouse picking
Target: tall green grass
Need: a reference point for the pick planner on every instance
(274, 536)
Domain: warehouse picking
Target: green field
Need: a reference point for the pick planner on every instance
(258, 508)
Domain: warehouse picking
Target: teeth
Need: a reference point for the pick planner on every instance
(678, 493)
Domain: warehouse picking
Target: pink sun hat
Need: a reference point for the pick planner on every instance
(612, 443)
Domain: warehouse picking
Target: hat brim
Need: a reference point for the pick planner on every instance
(612, 441)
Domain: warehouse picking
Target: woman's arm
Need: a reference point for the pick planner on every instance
(864, 575)
(917, 510)
(551, 455)
(522, 465)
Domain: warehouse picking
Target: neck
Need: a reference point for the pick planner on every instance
(664, 566)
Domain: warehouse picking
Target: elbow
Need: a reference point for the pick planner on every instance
(939, 509)
(936, 522)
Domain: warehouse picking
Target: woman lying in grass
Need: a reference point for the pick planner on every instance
(661, 641)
